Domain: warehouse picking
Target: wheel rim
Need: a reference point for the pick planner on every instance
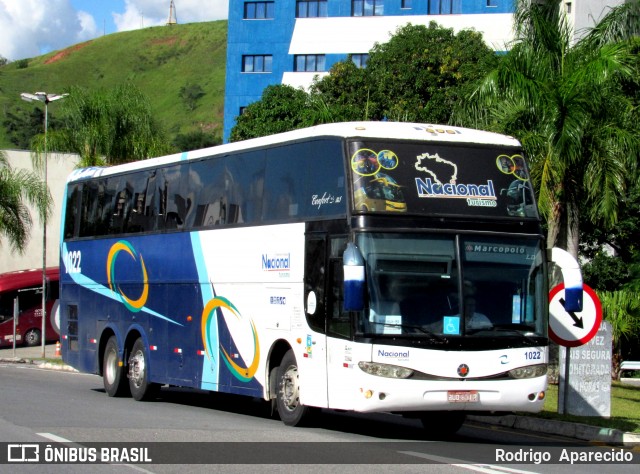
(111, 368)
(290, 390)
(31, 336)
(137, 368)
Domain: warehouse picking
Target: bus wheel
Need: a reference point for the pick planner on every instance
(141, 388)
(291, 411)
(32, 337)
(442, 423)
(114, 383)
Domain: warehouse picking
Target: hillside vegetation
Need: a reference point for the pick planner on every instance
(161, 61)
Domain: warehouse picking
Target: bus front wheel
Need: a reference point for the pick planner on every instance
(291, 411)
(141, 388)
(32, 337)
(114, 383)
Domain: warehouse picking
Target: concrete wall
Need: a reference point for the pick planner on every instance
(60, 165)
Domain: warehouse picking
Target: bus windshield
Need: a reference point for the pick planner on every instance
(445, 286)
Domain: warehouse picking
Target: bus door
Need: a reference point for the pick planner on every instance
(313, 361)
(341, 350)
(327, 277)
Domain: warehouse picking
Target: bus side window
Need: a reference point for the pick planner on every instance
(339, 321)
(314, 282)
(73, 211)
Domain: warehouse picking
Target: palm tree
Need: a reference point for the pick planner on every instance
(17, 189)
(622, 310)
(566, 104)
(106, 127)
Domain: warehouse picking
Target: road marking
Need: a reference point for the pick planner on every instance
(56, 438)
(486, 468)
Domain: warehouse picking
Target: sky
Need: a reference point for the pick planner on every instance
(29, 28)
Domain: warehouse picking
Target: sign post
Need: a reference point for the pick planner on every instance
(572, 329)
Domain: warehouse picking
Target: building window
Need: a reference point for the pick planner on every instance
(258, 10)
(367, 7)
(309, 63)
(567, 7)
(257, 63)
(492, 3)
(441, 7)
(311, 8)
(408, 4)
(360, 60)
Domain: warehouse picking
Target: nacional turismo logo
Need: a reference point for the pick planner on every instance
(279, 262)
(447, 185)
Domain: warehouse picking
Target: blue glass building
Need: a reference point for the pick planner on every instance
(291, 41)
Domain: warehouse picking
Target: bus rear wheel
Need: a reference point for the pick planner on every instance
(114, 383)
(141, 388)
(291, 411)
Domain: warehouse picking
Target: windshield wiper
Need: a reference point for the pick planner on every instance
(514, 329)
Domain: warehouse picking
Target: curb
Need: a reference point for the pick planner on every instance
(40, 363)
(594, 434)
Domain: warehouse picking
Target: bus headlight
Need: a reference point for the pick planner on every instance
(529, 372)
(385, 370)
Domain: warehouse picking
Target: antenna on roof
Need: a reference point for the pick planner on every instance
(172, 15)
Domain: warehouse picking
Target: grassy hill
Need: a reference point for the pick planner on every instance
(159, 60)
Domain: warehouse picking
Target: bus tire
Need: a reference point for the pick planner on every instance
(442, 423)
(112, 371)
(291, 411)
(141, 388)
(32, 337)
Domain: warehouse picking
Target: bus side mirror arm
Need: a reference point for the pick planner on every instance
(571, 275)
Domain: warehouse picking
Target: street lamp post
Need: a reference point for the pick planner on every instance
(46, 99)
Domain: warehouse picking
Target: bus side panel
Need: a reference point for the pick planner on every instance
(255, 277)
(209, 304)
(147, 283)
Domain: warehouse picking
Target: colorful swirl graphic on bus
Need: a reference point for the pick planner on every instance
(244, 374)
(133, 305)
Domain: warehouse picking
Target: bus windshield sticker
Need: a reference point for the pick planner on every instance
(441, 179)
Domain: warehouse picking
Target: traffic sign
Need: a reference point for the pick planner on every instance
(573, 328)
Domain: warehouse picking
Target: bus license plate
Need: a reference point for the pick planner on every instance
(458, 396)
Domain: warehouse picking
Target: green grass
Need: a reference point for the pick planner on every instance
(159, 60)
(625, 409)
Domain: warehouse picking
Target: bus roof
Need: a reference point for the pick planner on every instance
(371, 130)
(26, 278)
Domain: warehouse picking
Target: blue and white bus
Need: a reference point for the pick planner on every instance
(248, 268)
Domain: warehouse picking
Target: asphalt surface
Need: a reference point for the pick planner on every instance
(579, 431)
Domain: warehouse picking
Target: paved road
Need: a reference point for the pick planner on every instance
(237, 434)
(522, 423)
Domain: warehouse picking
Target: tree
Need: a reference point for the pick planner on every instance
(344, 93)
(190, 95)
(195, 140)
(421, 73)
(281, 108)
(106, 127)
(17, 189)
(566, 104)
(622, 310)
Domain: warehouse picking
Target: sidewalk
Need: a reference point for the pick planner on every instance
(583, 432)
